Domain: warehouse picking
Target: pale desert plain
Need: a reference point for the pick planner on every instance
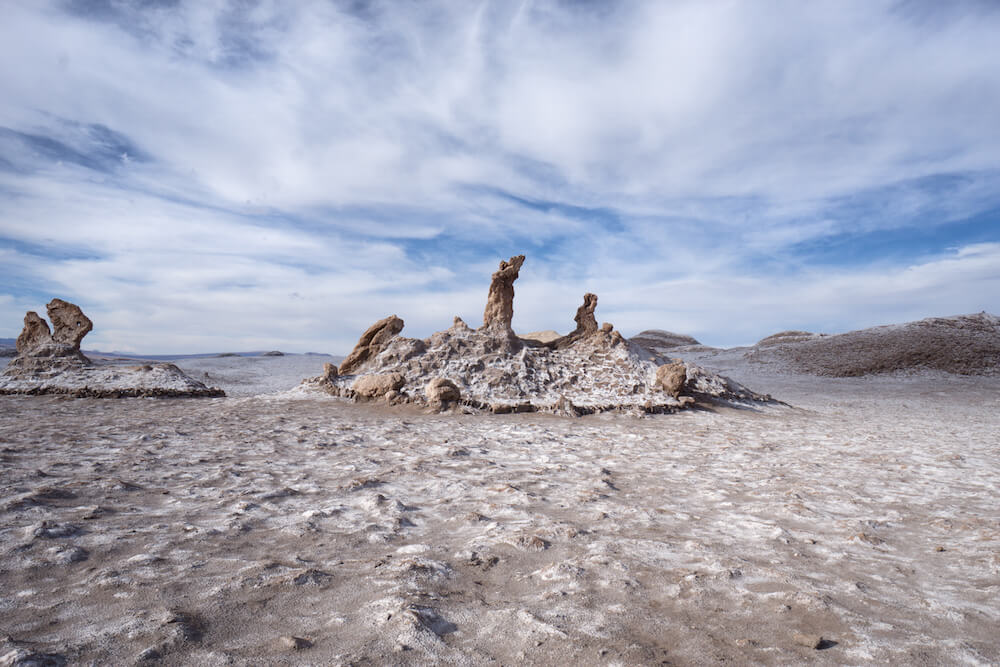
(854, 520)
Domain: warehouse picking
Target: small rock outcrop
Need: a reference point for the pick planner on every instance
(499, 310)
(52, 363)
(372, 341)
(490, 369)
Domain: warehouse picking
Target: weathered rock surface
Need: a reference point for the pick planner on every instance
(590, 370)
(499, 310)
(671, 377)
(69, 324)
(372, 341)
(53, 364)
(35, 332)
(441, 391)
(373, 386)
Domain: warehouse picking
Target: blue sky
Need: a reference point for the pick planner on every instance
(223, 175)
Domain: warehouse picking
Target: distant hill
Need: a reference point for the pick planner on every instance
(962, 344)
(660, 342)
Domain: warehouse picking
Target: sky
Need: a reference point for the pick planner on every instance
(237, 175)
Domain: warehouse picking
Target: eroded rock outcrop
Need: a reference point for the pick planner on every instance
(35, 332)
(372, 341)
(499, 310)
(586, 323)
(50, 362)
(69, 324)
(490, 369)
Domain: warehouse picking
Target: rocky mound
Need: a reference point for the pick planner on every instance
(659, 341)
(964, 345)
(50, 362)
(786, 337)
(591, 369)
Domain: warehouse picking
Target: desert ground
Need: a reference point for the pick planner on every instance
(858, 523)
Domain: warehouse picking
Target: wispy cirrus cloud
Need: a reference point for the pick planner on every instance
(226, 174)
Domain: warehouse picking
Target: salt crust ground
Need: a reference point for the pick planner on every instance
(201, 531)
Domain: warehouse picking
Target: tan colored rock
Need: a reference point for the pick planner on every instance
(290, 643)
(585, 321)
(69, 324)
(372, 341)
(329, 371)
(808, 639)
(547, 336)
(671, 377)
(373, 386)
(499, 310)
(441, 391)
(35, 332)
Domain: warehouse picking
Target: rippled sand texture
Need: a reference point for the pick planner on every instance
(311, 531)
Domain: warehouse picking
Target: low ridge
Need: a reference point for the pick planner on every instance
(962, 344)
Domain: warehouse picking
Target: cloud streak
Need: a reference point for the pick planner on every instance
(222, 175)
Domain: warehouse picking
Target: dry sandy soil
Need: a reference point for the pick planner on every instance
(283, 529)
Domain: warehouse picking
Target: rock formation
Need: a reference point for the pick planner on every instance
(586, 323)
(499, 310)
(35, 332)
(590, 370)
(69, 324)
(372, 341)
(52, 363)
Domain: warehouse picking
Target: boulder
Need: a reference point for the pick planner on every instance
(372, 341)
(671, 377)
(69, 324)
(373, 386)
(329, 371)
(35, 333)
(499, 310)
(442, 391)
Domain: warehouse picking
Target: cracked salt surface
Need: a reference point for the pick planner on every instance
(217, 531)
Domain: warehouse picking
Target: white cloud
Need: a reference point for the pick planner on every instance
(312, 169)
